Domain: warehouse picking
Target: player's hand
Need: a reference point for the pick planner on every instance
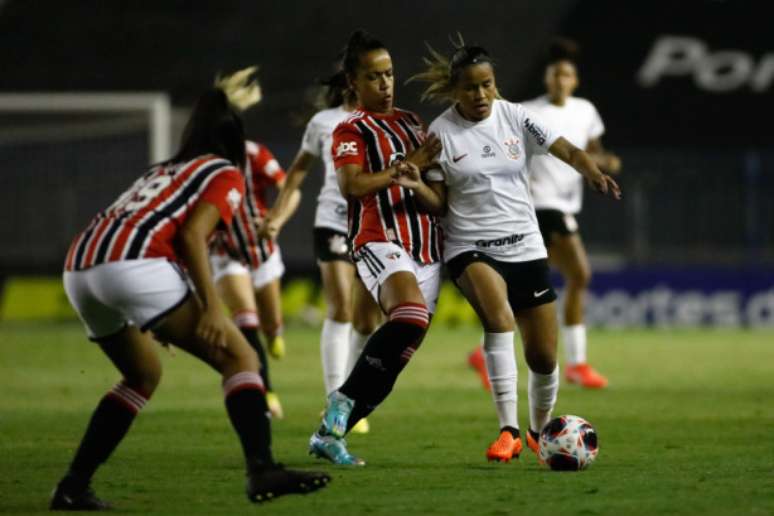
(211, 328)
(424, 155)
(266, 228)
(409, 175)
(612, 164)
(604, 184)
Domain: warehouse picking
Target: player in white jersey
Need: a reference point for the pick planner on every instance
(493, 248)
(352, 315)
(558, 192)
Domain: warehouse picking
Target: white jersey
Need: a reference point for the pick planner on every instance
(331, 205)
(484, 166)
(556, 185)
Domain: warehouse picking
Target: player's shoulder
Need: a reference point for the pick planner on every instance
(444, 122)
(350, 124)
(536, 102)
(410, 116)
(207, 163)
(252, 148)
(329, 117)
(581, 103)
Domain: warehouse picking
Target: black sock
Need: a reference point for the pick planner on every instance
(247, 411)
(383, 358)
(108, 425)
(514, 431)
(251, 334)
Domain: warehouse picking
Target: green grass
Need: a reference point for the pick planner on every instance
(685, 428)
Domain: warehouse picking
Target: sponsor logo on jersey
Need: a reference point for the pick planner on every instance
(512, 148)
(537, 132)
(234, 199)
(487, 152)
(497, 242)
(346, 149)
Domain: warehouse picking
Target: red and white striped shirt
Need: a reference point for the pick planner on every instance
(144, 220)
(374, 142)
(240, 240)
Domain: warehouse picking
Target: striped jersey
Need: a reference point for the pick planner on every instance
(144, 220)
(376, 141)
(240, 240)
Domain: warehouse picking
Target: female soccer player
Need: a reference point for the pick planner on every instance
(127, 273)
(492, 244)
(557, 191)
(247, 267)
(352, 315)
(396, 246)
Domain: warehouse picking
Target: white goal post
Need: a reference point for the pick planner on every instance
(155, 105)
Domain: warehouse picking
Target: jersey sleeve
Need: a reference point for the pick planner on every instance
(310, 142)
(435, 174)
(266, 166)
(225, 191)
(348, 146)
(596, 127)
(539, 137)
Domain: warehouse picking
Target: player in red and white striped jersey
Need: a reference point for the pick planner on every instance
(395, 239)
(247, 267)
(123, 276)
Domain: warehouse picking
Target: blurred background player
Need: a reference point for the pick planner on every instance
(557, 192)
(247, 267)
(352, 315)
(123, 276)
(396, 246)
(492, 244)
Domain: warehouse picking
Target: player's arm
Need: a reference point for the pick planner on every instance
(289, 196)
(430, 195)
(192, 244)
(606, 160)
(585, 165)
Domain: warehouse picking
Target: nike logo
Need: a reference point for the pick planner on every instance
(540, 293)
(455, 159)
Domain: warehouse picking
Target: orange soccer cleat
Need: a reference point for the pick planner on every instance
(476, 361)
(533, 443)
(505, 448)
(585, 376)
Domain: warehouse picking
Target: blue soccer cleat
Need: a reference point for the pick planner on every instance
(332, 449)
(337, 414)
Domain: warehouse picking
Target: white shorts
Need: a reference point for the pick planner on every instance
(268, 271)
(112, 295)
(377, 261)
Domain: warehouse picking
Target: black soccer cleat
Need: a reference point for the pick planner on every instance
(86, 500)
(266, 483)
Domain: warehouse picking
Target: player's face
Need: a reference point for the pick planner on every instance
(373, 81)
(475, 91)
(561, 80)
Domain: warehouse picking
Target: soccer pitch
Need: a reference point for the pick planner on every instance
(686, 427)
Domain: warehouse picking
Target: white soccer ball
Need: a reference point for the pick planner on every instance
(568, 443)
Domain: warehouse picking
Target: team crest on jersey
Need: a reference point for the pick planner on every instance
(346, 149)
(512, 148)
(234, 199)
(396, 157)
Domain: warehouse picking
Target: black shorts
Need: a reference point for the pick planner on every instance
(555, 222)
(528, 282)
(331, 245)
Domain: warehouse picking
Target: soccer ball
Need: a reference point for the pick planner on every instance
(568, 443)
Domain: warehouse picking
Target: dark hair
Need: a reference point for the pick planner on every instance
(335, 91)
(466, 56)
(213, 128)
(359, 43)
(563, 49)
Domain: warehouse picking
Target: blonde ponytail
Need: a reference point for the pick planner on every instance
(241, 88)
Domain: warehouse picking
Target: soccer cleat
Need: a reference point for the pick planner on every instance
(361, 427)
(85, 500)
(332, 449)
(505, 448)
(267, 483)
(585, 376)
(533, 443)
(337, 413)
(477, 361)
(276, 347)
(275, 407)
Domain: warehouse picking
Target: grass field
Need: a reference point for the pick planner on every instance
(686, 427)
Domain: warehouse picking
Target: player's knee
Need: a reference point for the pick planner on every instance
(340, 312)
(144, 382)
(542, 360)
(580, 278)
(499, 321)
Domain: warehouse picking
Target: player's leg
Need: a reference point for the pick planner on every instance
(568, 254)
(268, 295)
(245, 403)
(134, 355)
(337, 277)
(487, 292)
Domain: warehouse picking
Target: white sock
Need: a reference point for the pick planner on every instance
(334, 346)
(575, 343)
(357, 342)
(501, 367)
(542, 390)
